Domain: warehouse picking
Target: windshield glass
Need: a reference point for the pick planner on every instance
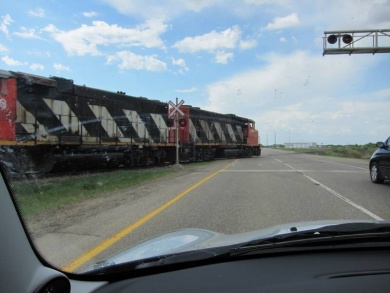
(122, 121)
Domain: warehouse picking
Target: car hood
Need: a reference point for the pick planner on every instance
(186, 240)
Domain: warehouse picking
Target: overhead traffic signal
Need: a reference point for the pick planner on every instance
(347, 39)
(350, 42)
(182, 121)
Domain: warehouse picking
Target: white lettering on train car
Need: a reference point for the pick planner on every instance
(3, 104)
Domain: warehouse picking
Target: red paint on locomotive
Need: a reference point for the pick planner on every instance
(184, 132)
(7, 110)
(251, 135)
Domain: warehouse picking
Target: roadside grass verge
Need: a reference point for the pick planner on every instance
(39, 195)
(347, 151)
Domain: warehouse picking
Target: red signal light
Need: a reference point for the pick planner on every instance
(347, 39)
(182, 121)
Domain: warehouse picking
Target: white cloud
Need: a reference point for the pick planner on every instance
(37, 66)
(181, 63)
(6, 21)
(282, 40)
(223, 57)
(90, 14)
(212, 41)
(129, 60)
(37, 12)
(283, 22)
(175, 8)
(156, 8)
(87, 38)
(60, 67)
(27, 33)
(249, 44)
(292, 72)
(12, 62)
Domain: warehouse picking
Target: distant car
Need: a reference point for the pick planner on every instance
(380, 162)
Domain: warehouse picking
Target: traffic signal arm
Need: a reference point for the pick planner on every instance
(356, 42)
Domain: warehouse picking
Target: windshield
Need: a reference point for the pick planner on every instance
(131, 130)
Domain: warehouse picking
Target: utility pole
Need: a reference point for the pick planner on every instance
(274, 135)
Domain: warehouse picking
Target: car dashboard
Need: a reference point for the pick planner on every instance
(337, 271)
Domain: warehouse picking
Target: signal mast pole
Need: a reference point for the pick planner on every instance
(177, 162)
(175, 111)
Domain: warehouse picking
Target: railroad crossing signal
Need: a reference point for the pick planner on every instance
(175, 113)
(356, 42)
(176, 108)
(347, 39)
(182, 121)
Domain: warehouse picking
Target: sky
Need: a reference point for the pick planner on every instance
(259, 59)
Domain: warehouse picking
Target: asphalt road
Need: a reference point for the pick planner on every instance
(228, 196)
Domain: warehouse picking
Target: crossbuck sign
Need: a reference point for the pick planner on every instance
(176, 108)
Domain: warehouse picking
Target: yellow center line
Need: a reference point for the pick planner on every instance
(118, 236)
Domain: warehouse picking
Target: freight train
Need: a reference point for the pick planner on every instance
(52, 123)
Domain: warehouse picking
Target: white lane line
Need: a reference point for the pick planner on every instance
(367, 212)
(277, 160)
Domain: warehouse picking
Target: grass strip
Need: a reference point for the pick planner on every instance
(349, 151)
(36, 196)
